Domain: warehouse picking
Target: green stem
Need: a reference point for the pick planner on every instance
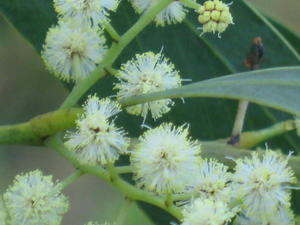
(191, 4)
(71, 179)
(112, 32)
(81, 87)
(184, 196)
(129, 190)
(112, 71)
(240, 117)
(36, 130)
(124, 169)
(169, 200)
(251, 139)
(114, 52)
(55, 143)
(238, 122)
(148, 197)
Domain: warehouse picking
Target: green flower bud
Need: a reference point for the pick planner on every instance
(215, 16)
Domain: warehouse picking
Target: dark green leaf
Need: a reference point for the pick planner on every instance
(292, 37)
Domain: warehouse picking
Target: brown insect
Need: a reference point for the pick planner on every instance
(255, 54)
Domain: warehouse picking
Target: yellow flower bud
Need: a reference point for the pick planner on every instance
(201, 9)
(209, 5)
(215, 16)
(221, 27)
(204, 18)
(226, 17)
(210, 26)
(221, 6)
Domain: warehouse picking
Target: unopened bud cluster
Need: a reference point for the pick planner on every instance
(215, 16)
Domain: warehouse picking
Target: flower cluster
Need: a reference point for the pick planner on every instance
(207, 212)
(71, 51)
(34, 199)
(213, 181)
(164, 157)
(215, 16)
(213, 199)
(76, 45)
(97, 139)
(256, 193)
(264, 185)
(146, 73)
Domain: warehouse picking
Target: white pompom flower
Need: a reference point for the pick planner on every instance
(144, 74)
(263, 182)
(213, 181)
(174, 13)
(207, 212)
(97, 139)
(86, 12)
(165, 159)
(72, 51)
(34, 199)
(282, 216)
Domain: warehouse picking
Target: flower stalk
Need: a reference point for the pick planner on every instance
(113, 53)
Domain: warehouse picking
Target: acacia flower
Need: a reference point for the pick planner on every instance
(72, 51)
(175, 12)
(282, 216)
(97, 139)
(165, 159)
(34, 199)
(213, 181)
(215, 16)
(207, 212)
(87, 12)
(144, 74)
(263, 182)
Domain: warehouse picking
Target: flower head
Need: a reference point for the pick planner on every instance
(207, 212)
(147, 73)
(34, 199)
(263, 182)
(71, 51)
(281, 216)
(86, 12)
(164, 157)
(97, 138)
(215, 16)
(175, 12)
(213, 181)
